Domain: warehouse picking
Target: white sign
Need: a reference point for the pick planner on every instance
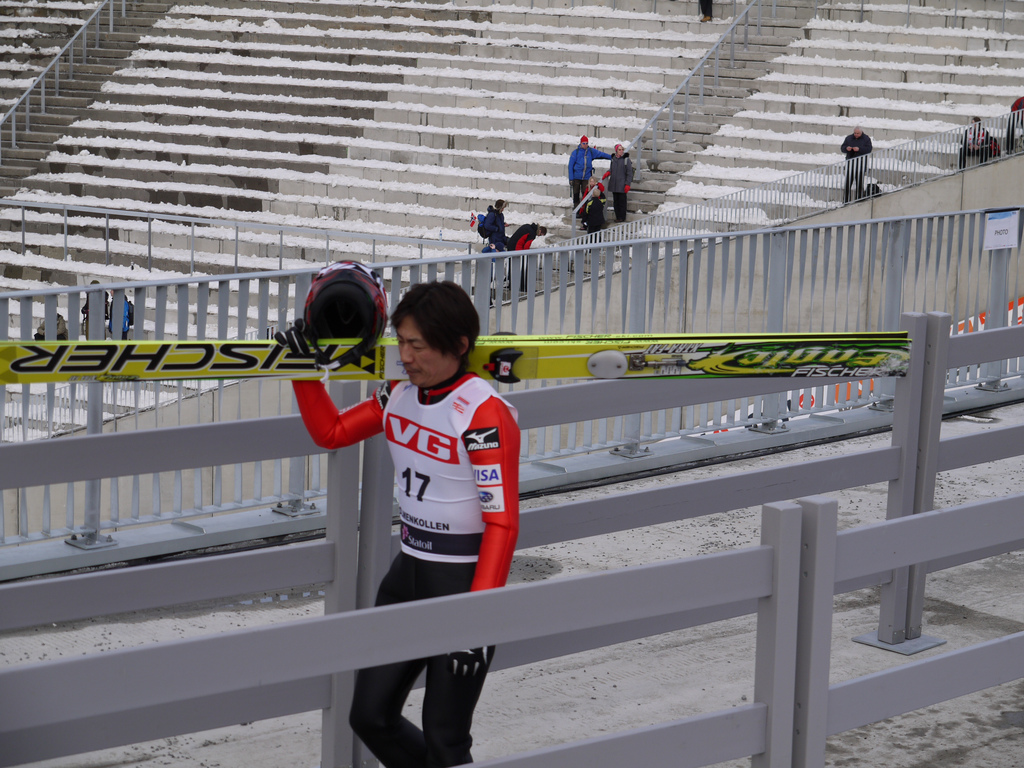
(1001, 230)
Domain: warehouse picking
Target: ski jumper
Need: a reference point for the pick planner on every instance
(455, 448)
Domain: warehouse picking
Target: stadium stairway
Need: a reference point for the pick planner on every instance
(394, 117)
(31, 34)
(898, 83)
(34, 33)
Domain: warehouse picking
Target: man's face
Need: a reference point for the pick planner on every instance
(425, 366)
(857, 132)
(583, 143)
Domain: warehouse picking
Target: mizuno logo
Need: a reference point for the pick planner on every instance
(481, 439)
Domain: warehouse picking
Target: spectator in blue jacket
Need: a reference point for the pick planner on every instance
(126, 321)
(581, 167)
(494, 225)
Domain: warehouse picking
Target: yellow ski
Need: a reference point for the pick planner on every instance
(502, 358)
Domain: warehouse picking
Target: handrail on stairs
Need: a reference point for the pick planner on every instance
(68, 51)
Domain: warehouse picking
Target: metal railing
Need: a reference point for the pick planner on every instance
(141, 239)
(698, 75)
(35, 95)
(836, 277)
(808, 193)
(665, 119)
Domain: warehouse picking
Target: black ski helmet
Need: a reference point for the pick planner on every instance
(346, 301)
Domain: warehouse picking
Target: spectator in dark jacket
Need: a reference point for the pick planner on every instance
(593, 210)
(581, 168)
(856, 147)
(619, 178)
(977, 143)
(1015, 125)
(494, 225)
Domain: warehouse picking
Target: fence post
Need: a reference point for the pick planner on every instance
(814, 629)
(337, 743)
(297, 465)
(775, 656)
(909, 428)
(897, 248)
(997, 314)
(775, 322)
(96, 302)
(636, 322)
(932, 394)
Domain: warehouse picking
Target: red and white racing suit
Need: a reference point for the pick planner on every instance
(455, 449)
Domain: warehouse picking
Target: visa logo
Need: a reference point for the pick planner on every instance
(488, 474)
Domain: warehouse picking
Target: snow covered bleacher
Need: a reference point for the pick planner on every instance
(897, 82)
(388, 116)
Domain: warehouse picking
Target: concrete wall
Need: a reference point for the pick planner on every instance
(995, 185)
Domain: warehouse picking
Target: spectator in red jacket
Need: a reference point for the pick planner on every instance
(523, 237)
(521, 240)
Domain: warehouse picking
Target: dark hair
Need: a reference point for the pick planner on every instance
(444, 314)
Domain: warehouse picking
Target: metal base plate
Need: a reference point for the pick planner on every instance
(295, 508)
(91, 542)
(907, 647)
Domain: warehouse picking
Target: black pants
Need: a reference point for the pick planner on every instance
(854, 180)
(619, 201)
(448, 701)
(705, 7)
(983, 154)
(579, 189)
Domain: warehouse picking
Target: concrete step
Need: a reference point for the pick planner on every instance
(774, 126)
(839, 89)
(925, 19)
(863, 108)
(940, 38)
(345, 61)
(920, 55)
(372, 84)
(882, 72)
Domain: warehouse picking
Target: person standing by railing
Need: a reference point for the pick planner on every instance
(581, 168)
(619, 178)
(455, 447)
(856, 147)
(1015, 126)
(979, 143)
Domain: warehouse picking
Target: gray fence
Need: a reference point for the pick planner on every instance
(853, 277)
(153, 240)
(122, 697)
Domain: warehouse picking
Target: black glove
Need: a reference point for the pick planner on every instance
(470, 662)
(294, 338)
